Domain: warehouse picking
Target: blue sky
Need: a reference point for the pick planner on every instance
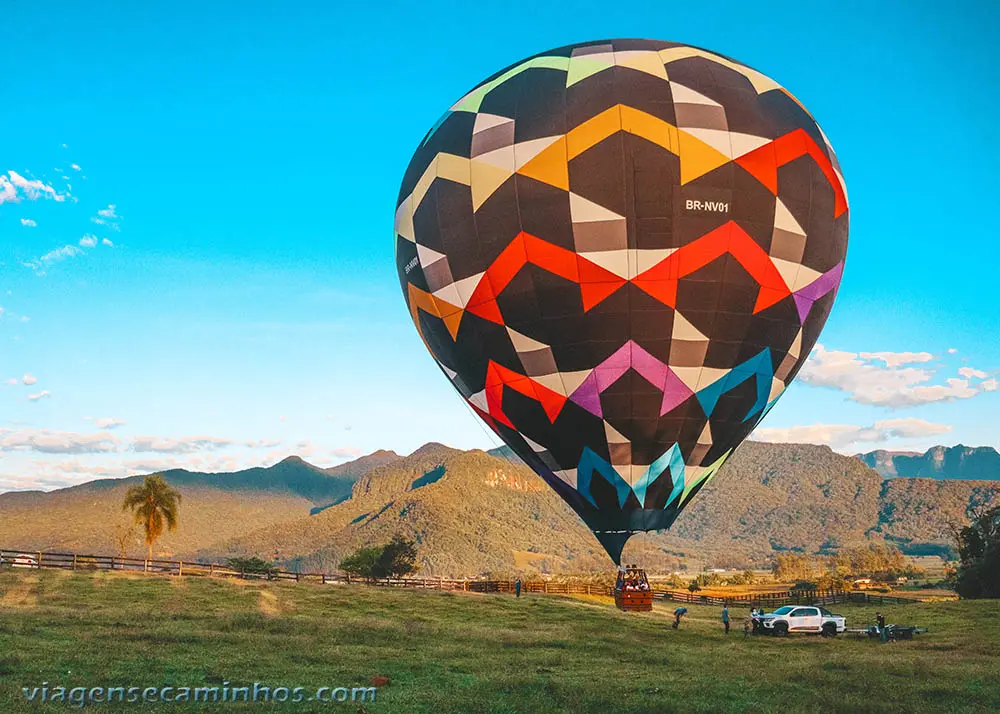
(236, 166)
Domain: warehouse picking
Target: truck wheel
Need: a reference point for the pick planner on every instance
(829, 630)
(780, 629)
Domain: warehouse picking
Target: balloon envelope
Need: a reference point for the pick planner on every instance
(620, 253)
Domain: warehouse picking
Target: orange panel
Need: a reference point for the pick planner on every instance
(763, 166)
(551, 257)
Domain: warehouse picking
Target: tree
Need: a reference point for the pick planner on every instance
(363, 562)
(254, 566)
(792, 566)
(398, 558)
(693, 586)
(978, 573)
(154, 505)
(392, 560)
(123, 537)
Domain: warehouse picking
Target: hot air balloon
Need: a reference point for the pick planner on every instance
(620, 253)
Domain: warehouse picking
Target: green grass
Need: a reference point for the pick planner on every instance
(471, 653)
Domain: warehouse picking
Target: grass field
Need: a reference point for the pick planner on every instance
(460, 652)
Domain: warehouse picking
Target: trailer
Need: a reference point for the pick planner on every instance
(889, 633)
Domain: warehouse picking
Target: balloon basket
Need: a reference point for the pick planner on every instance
(632, 591)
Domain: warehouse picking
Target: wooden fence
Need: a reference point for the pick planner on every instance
(771, 600)
(74, 561)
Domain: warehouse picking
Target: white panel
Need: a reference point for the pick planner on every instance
(684, 330)
(686, 95)
(488, 121)
(584, 211)
(615, 261)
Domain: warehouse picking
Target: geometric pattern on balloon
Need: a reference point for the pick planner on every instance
(621, 253)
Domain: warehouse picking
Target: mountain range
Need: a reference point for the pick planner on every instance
(474, 512)
(938, 462)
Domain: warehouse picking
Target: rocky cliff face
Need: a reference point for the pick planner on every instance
(981, 463)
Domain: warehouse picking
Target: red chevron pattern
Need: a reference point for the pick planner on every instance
(659, 282)
(498, 377)
(763, 163)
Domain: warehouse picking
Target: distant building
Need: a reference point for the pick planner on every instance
(862, 583)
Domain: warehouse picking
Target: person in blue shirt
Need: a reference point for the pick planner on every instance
(677, 616)
(725, 617)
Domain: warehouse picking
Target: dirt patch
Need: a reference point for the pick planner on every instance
(22, 594)
(268, 604)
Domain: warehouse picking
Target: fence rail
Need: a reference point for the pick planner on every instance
(75, 561)
(778, 599)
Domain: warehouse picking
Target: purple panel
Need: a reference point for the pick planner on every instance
(588, 396)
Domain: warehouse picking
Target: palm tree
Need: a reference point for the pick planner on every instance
(153, 504)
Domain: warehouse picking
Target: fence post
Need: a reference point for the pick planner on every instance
(74, 561)
(180, 567)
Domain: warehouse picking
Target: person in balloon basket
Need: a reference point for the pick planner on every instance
(517, 588)
(677, 616)
(725, 618)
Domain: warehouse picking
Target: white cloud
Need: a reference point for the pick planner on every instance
(107, 242)
(952, 351)
(75, 167)
(88, 241)
(46, 441)
(40, 395)
(880, 379)
(12, 380)
(842, 436)
(345, 452)
(989, 385)
(261, 444)
(107, 422)
(183, 445)
(970, 373)
(897, 359)
(28, 222)
(14, 188)
(107, 217)
(53, 256)
(29, 379)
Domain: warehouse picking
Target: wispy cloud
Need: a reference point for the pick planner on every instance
(107, 217)
(970, 373)
(183, 445)
(107, 242)
(106, 422)
(88, 241)
(53, 256)
(45, 441)
(883, 379)
(29, 379)
(843, 436)
(14, 188)
(28, 222)
(44, 394)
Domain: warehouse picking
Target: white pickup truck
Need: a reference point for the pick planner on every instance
(803, 618)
